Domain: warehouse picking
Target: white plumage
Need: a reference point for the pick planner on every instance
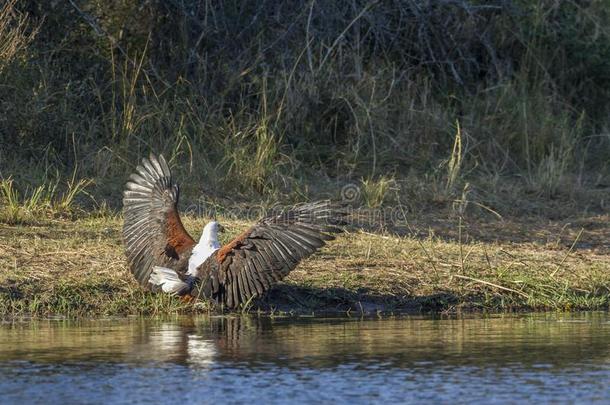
(208, 244)
(168, 280)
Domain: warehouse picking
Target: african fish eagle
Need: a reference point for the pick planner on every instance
(162, 256)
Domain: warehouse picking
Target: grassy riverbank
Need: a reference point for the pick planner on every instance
(486, 122)
(439, 264)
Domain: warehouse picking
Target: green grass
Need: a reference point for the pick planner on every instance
(42, 201)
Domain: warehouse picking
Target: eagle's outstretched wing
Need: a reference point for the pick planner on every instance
(255, 260)
(153, 232)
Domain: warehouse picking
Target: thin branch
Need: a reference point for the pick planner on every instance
(476, 280)
(568, 254)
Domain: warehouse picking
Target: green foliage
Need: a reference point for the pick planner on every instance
(251, 157)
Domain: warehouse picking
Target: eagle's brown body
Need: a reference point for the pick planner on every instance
(158, 247)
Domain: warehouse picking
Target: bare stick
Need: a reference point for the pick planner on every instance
(568, 254)
(476, 280)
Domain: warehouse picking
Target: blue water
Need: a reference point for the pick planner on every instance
(544, 358)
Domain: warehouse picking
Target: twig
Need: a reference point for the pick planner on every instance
(404, 215)
(476, 280)
(377, 235)
(462, 201)
(461, 246)
(307, 34)
(8, 247)
(60, 252)
(246, 307)
(568, 254)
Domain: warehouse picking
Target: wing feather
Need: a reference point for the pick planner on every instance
(258, 258)
(153, 232)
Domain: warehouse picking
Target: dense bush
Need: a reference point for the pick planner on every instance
(258, 96)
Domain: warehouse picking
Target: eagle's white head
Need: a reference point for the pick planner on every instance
(209, 236)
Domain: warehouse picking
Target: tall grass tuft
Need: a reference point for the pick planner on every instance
(16, 32)
(375, 190)
(251, 156)
(454, 164)
(9, 197)
(43, 201)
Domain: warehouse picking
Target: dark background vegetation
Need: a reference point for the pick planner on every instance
(502, 103)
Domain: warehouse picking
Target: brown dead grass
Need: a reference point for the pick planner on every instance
(78, 268)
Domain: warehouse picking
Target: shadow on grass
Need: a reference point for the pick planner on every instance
(27, 298)
(303, 299)
(306, 299)
(558, 233)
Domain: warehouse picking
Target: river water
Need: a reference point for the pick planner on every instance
(558, 358)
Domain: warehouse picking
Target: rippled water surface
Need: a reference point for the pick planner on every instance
(559, 358)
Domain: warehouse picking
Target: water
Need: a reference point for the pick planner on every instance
(559, 358)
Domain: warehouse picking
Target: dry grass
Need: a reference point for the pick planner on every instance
(15, 32)
(78, 268)
(503, 116)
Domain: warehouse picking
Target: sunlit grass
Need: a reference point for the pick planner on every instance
(78, 269)
(40, 202)
(376, 190)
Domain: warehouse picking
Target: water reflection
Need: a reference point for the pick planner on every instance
(525, 358)
(530, 340)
